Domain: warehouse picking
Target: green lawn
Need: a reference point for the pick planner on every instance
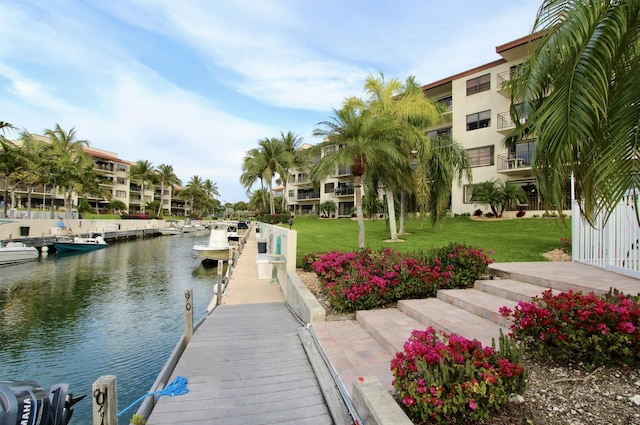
(523, 239)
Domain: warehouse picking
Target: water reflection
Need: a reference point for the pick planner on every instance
(71, 318)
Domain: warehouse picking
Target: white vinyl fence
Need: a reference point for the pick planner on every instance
(613, 245)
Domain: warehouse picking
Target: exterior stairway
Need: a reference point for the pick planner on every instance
(366, 345)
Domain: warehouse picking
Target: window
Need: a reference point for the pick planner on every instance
(328, 187)
(121, 194)
(479, 84)
(122, 167)
(478, 120)
(440, 132)
(467, 194)
(481, 157)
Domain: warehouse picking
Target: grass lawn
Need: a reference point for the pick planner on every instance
(522, 239)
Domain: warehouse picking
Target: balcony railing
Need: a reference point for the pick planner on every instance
(343, 191)
(513, 162)
(506, 123)
(306, 196)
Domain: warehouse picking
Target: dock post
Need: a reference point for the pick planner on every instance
(105, 401)
(188, 314)
(219, 284)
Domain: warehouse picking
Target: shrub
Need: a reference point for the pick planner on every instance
(452, 378)
(274, 218)
(565, 245)
(478, 213)
(307, 261)
(466, 263)
(365, 279)
(597, 330)
(520, 213)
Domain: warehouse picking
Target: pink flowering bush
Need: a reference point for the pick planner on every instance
(598, 330)
(448, 378)
(366, 279)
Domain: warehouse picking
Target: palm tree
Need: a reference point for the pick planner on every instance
(266, 162)
(165, 176)
(252, 172)
(34, 172)
(498, 194)
(406, 103)
(143, 172)
(579, 90)
(363, 143)
(258, 201)
(448, 161)
(195, 193)
(66, 159)
(12, 164)
(297, 158)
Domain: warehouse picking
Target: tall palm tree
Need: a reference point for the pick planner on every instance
(195, 193)
(270, 162)
(252, 172)
(580, 90)
(406, 103)
(12, 164)
(297, 158)
(143, 172)
(166, 177)
(363, 141)
(66, 159)
(35, 168)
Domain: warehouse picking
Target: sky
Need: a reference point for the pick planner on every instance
(197, 83)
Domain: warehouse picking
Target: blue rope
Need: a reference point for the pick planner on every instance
(176, 387)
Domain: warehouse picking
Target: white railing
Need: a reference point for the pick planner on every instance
(612, 245)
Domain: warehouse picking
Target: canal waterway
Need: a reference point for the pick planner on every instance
(116, 311)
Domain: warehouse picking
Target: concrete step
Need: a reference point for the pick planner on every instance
(510, 289)
(451, 319)
(389, 326)
(479, 303)
(354, 352)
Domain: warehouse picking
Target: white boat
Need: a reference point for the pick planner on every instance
(172, 228)
(79, 244)
(232, 232)
(217, 247)
(17, 252)
(189, 227)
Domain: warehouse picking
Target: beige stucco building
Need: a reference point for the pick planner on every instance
(478, 102)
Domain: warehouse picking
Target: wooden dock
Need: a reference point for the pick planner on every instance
(247, 363)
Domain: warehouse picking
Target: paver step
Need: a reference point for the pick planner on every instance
(451, 319)
(478, 302)
(389, 326)
(354, 352)
(510, 289)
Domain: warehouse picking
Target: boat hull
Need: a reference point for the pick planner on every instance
(17, 254)
(80, 244)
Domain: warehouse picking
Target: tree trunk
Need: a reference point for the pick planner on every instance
(392, 215)
(272, 205)
(29, 202)
(403, 212)
(358, 194)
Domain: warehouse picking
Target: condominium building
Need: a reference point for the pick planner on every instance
(477, 103)
(116, 185)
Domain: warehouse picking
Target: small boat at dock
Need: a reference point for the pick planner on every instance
(17, 252)
(172, 228)
(216, 248)
(79, 244)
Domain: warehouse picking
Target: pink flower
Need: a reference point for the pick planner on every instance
(472, 404)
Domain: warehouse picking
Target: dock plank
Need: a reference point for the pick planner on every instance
(246, 365)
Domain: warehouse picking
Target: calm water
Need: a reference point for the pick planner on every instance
(116, 311)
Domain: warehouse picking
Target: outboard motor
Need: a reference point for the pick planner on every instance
(27, 403)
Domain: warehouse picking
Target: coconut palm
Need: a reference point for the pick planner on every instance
(252, 172)
(406, 103)
(34, 172)
(143, 172)
(298, 158)
(265, 163)
(66, 159)
(364, 142)
(166, 177)
(12, 165)
(580, 90)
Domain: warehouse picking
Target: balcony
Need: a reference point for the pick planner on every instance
(514, 163)
(308, 196)
(506, 124)
(343, 191)
(343, 171)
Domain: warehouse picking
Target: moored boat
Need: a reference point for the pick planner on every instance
(17, 252)
(172, 228)
(79, 244)
(217, 247)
